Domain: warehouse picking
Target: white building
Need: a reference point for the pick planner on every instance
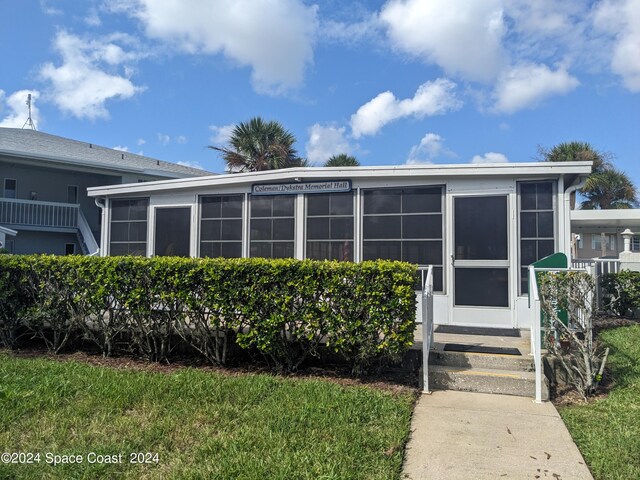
(599, 232)
(479, 225)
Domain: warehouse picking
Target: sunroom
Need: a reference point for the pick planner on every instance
(479, 226)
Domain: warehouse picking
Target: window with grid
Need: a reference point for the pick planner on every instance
(537, 226)
(330, 226)
(404, 224)
(221, 226)
(129, 227)
(272, 226)
(609, 241)
(635, 244)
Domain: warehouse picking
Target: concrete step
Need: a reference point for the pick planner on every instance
(485, 380)
(481, 360)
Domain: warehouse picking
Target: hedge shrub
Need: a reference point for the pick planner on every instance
(623, 289)
(285, 309)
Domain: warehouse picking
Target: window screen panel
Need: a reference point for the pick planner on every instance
(405, 224)
(221, 226)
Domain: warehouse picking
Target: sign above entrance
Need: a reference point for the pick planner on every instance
(331, 186)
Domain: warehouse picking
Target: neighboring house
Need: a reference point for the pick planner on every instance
(595, 229)
(43, 188)
(480, 226)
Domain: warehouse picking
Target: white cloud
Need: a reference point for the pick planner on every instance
(92, 19)
(430, 148)
(367, 29)
(181, 139)
(463, 37)
(163, 138)
(275, 39)
(431, 98)
(141, 141)
(17, 110)
(525, 86)
(221, 135)
(88, 76)
(190, 164)
(621, 19)
(547, 28)
(121, 148)
(48, 9)
(326, 141)
(490, 157)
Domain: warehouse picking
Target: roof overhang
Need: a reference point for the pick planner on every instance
(8, 231)
(601, 220)
(74, 164)
(515, 170)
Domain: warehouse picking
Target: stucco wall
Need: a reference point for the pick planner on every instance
(28, 241)
(51, 186)
(587, 252)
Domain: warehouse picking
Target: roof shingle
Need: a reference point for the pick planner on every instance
(28, 142)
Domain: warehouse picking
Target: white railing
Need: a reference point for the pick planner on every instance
(38, 214)
(536, 331)
(598, 267)
(582, 262)
(87, 235)
(427, 322)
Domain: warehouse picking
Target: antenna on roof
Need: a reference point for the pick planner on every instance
(29, 123)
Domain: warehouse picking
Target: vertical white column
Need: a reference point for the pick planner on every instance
(105, 231)
(245, 226)
(300, 224)
(357, 225)
(195, 227)
(627, 235)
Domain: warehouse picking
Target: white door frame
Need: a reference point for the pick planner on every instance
(498, 317)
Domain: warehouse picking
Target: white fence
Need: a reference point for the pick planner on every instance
(598, 267)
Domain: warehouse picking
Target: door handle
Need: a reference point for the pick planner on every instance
(453, 259)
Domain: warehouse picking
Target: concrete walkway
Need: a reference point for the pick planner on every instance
(462, 435)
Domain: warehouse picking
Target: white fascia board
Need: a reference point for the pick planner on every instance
(628, 218)
(8, 231)
(353, 173)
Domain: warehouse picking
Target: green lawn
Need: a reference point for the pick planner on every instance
(607, 431)
(201, 424)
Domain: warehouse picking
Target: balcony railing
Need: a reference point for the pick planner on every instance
(32, 213)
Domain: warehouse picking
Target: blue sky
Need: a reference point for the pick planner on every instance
(390, 82)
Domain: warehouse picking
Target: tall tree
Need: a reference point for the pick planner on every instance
(259, 145)
(609, 189)
(342, 160)
(606, 187)
(576, 152)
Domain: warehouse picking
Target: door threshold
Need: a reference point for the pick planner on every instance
(482, 331)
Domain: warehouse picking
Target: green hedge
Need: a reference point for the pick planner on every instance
(623, 289)
(285, 309)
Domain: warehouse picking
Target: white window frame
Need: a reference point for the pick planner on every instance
(243, 219)
(306, 216)
(15, 190)
(151, 225)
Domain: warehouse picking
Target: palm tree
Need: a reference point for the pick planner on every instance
(576, 152)
(609, 189)
(606, 187)
(342, 160)
(259, 145)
